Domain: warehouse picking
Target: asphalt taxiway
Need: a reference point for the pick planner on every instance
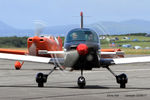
(62, 85)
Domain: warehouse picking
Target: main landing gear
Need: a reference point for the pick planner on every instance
(121, 79)
(42, 78)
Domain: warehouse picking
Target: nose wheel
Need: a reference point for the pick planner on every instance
(81, 82)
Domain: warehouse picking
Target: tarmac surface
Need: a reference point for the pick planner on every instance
(62, 85)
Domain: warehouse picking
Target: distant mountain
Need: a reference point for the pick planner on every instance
(124, 27)
(6, 30)
(107, 27)
(103, 27)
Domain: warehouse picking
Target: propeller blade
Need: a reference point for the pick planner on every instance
(39, 26)
(71, 57)
(32, 49)
(69, 60)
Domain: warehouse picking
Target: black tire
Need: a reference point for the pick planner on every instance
(122, 85)
(17, 68)
(41, 79)
(81, 82)
(122, 79)
(41, 84)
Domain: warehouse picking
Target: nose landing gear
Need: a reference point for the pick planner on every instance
(81, 80)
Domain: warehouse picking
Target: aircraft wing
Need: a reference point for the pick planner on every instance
(132, 60)
(29, 58)
(117, 61)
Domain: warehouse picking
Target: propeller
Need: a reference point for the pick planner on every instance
(71, 58)
(32, 49)
(39, 26)
(100, 28)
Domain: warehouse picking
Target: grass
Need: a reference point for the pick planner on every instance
(133, 51)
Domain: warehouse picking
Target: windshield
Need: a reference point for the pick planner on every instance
(89, 36)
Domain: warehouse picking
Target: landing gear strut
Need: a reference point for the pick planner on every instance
(42, 78)
(121, 79)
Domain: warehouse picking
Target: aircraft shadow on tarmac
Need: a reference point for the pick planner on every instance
(76, 87)
(108, 87)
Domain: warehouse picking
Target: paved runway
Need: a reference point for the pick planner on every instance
(21, 85)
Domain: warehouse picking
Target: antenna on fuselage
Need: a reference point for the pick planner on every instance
(81, 14)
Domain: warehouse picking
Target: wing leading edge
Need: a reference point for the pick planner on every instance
(30, 58)
(132, 60)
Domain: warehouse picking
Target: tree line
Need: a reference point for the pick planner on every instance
(15, 42)
(10, 42)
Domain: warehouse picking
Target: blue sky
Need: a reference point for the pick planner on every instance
(22, 13)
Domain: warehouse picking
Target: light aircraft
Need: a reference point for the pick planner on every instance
(82, 51)
(34, 44)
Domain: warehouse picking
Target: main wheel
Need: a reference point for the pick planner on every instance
(18, 65)
(81, 82)
(41, 79)
(122, 85)
(122, 80)
(41, 84)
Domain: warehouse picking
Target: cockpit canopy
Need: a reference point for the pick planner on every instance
(83, 34)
